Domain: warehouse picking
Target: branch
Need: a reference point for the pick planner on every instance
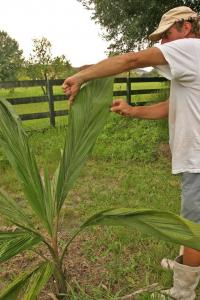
(150, 288)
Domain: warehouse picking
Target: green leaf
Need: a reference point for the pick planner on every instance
(15, 145)
(12, 243)
(49, 202)
(12, 211)
(38, 281)
(87, 117)
(28, 285)
(160, 224)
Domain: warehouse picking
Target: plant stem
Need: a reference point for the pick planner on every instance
(55, 238)
(60, 280)
(59, 274)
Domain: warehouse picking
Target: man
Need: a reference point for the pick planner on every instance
(178, 59)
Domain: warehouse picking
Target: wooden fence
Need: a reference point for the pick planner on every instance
(51, 98)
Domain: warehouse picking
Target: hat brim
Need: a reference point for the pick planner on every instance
(157, 34)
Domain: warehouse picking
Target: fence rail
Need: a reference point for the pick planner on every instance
(51, 98)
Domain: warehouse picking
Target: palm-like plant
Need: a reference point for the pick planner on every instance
(45, 197)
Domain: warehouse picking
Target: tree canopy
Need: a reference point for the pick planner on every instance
(128, 23)
(11, 59)
(42, 64)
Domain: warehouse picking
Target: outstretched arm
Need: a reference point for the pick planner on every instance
(151, 112)
(112, 66)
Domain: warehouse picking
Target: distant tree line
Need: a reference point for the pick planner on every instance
(40, 65)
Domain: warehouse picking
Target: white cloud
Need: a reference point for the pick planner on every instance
(65, 23)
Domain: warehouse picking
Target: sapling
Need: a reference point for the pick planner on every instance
(45, 197)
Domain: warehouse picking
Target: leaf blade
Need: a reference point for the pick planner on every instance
(13, 212)
(160, 224)
(87, 117)
(38, 281)
(21, 284)
(15, 145)
(12, 243)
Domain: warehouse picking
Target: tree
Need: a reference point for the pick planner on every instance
(11, 59)
(42, 65)
(60, 67)
(40, 61)
(128, 23)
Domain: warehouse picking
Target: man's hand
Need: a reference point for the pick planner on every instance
(71, 87)
(121, 107)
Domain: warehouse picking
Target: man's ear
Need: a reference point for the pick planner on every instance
(187, 26)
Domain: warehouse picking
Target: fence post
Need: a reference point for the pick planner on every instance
(128, 89)
(51, 102)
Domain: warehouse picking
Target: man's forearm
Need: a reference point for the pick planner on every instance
(151, 112)
(121, 63)
(112, 66)
(108, 67)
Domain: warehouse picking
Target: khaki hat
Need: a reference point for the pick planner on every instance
(169, 18)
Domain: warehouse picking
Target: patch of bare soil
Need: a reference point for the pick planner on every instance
(164, 150)
(79, 268)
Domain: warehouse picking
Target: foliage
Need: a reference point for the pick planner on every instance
(125, 26)
(11, 59)
(111, 255)
(163, 225)
(42, 64)
(131, 139)
(44, 197)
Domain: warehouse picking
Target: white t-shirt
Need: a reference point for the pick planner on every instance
(183, 69)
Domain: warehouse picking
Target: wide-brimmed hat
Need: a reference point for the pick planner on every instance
(171, 17)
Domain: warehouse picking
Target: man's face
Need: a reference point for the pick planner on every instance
(172, 34)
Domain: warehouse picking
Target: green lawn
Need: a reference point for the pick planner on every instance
(129, 167)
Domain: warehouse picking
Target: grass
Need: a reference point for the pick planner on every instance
(127, 169)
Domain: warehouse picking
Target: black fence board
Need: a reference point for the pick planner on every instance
(148, 79)
(23, 83)
(120, 80)
(60, 97)
(61, 112)
(148, 91)
(119, 93)
(27, 100)
(139, 79)
(33, 116)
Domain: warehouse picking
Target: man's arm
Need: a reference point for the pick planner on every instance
(150, 112)
(112, 66)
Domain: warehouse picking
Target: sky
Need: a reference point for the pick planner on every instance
(65, 23)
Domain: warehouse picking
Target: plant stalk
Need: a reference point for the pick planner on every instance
(60, 281)
(59, 274)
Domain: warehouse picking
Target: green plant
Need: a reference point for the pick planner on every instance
(46, 197)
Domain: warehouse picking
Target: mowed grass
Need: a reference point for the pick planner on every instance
(130, 166)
